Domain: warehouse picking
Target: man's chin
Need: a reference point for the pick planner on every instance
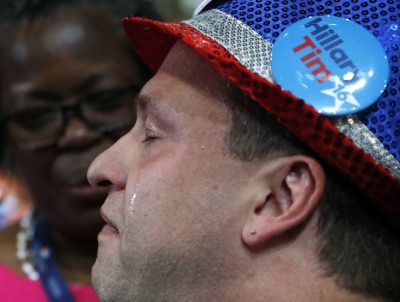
(99, 281)
(95, 275)
(105, 283)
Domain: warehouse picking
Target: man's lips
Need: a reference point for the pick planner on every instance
(109, 228)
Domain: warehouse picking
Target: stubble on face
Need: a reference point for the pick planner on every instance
(177, 242)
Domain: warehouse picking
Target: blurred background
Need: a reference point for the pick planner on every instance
(177, 9)
(14, 198)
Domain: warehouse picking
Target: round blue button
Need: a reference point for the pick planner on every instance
(333, 64)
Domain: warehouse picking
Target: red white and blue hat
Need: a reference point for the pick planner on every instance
(327, 70)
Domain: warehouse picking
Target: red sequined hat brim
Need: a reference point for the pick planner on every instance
(152, 40)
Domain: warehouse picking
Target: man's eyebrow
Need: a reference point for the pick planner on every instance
(143, 101)
(160, 112)
(149, 104)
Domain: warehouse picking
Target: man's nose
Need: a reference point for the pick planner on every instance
(110, 169)
(77, 134)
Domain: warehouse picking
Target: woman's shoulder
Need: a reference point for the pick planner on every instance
(15, 287)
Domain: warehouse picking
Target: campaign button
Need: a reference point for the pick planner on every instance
(333, 64)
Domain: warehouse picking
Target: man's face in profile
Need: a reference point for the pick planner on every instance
(176, 190)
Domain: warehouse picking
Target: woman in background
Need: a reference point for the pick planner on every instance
(68, 81)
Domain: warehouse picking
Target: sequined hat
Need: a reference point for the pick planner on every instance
(239, 38)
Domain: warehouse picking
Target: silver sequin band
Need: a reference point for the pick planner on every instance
(353, 128)
(254, 52)
(249, 48)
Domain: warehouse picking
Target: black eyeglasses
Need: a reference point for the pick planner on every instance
(106, 111)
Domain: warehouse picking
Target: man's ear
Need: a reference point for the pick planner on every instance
(288, 190)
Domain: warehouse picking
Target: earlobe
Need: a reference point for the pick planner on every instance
(293, 187)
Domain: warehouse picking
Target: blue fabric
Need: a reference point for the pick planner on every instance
(382, 18)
